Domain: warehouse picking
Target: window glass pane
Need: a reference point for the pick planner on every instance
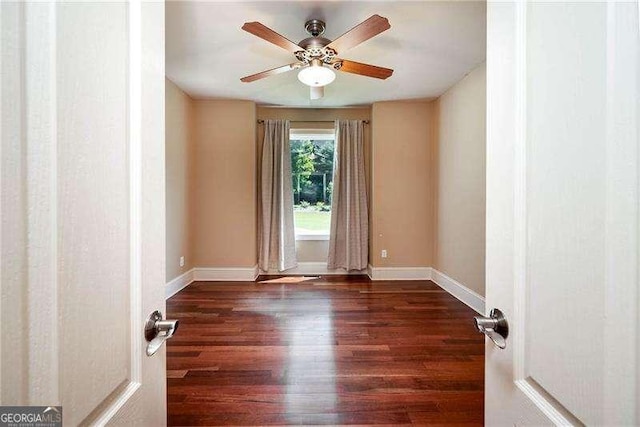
(312, 175)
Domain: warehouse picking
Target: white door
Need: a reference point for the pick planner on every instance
(82, 209)
(562, 212)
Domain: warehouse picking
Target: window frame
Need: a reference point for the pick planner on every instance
(297, 134)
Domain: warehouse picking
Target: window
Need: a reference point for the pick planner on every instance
(312, 175)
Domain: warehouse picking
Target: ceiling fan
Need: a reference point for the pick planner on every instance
(317, 56)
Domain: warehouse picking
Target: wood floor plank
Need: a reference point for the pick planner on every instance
(326, 351)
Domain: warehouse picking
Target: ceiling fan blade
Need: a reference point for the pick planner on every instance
(271, 72)
(266, 33)
(364, 69)
(360, 33)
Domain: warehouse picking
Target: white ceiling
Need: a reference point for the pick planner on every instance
(431, 46)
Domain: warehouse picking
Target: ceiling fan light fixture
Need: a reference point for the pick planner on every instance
(316, 75)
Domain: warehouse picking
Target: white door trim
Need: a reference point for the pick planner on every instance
(39, 115)
(135, 169)
(122, 395)
(622, 214)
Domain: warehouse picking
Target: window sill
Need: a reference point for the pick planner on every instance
(312, 236)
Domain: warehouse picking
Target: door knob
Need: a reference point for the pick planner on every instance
(495, 327)
(157, 331)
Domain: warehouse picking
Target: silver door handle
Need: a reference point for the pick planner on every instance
(495, 327)
(157, 331)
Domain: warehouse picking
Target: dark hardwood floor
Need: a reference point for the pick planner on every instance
(334, 351)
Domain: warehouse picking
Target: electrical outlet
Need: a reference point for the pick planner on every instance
(181, 261)
(383, 254)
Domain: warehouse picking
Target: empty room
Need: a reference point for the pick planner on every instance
(320, 213)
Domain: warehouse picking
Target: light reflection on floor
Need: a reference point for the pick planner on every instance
(311, 333)
(310, 342)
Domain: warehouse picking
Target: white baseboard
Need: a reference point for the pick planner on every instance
(210, 275)
(460, 291)
(178, 284)
(225, 274)
(313, 268)
(399, 273)
(453, 287)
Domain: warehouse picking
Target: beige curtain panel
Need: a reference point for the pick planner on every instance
(277, 231)
(348, 241)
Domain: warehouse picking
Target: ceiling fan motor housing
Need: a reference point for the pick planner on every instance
(315, 46)
(315, 27)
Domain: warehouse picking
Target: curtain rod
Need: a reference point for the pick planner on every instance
(260, 121)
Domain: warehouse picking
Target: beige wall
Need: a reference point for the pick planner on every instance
(224, 183)
(178, 151)
(425, 169)
(307, 118)
(402, 185)
(460, 233)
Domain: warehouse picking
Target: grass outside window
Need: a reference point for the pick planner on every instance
(312, 222)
